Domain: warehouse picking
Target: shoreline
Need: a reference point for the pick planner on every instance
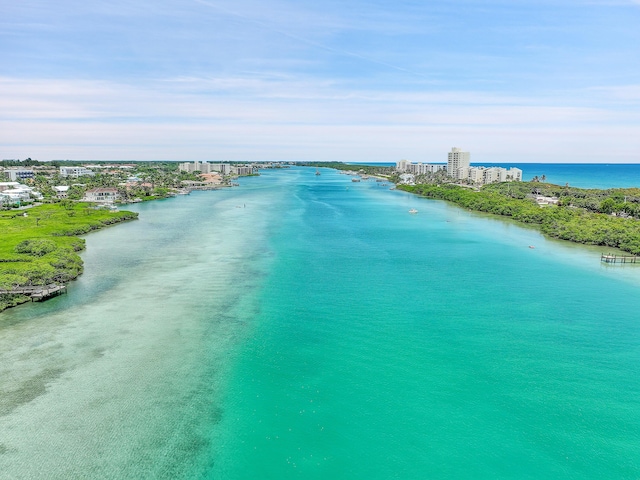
(616, 232)
(568, 223)
(41, 248)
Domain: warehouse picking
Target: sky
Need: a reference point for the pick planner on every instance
(555, 81)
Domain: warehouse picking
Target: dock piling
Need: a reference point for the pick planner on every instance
(613, 258)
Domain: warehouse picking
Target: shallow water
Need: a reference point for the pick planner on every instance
(304, 326)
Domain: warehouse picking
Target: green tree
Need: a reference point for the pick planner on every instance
(608, 205)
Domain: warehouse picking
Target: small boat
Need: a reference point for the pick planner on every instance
(355, 179)
(413, 211)
(531, 246)
(317, 172)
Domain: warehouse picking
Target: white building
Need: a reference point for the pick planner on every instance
(223, 168)
(205, 167)
(403, 165)
(75, 172)
(101, 195)
(407, 179)
(242, 170)
(476, 175)
(187, 167)
(495, 174)
(15, 174)
(434, 167)
(484, 175)
(418, 168)
(458, 167)
(61, 191)
(8, 185)
(424, 168)
(457, 159)
(462, 173)
(514, 174)
(14, 192)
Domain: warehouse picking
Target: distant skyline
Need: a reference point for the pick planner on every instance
(244, 80)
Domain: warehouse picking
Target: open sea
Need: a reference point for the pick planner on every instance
(305, 326)
(586, 175)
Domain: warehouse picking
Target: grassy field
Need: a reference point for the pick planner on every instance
(39, 245)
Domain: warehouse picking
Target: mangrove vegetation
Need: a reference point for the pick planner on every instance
(40, 245)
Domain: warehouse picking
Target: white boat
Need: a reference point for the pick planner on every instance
(413, 211)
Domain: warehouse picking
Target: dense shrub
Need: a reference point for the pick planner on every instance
(49, 254)
(68, 265)
(36, 247)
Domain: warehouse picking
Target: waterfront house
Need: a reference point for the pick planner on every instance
(101, 195)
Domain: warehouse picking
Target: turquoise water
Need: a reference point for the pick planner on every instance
(581, 175)
(586, 175)
(304, 326)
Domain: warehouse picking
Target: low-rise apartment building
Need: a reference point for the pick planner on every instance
(75, 172)
(19, 174)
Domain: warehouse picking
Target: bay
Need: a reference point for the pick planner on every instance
(304, 326)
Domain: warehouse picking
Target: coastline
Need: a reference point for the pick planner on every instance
(492, 342)
(588, 216)
(41, 248)
(563, 222)
(553, 226)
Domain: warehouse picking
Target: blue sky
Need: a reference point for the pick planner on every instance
(351, 80)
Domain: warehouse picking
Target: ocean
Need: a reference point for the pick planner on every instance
(305, 326)
(581, 175)
(586, 175)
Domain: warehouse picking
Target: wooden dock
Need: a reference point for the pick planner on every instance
(38, 293)
(48, 292)
(611, 258)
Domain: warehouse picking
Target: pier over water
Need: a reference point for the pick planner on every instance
(37, 293)
(611, 258)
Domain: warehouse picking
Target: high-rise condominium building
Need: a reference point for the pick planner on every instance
(457, 159)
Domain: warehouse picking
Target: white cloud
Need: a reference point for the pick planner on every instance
(289, 100)
(93, 140)
(626, 94)
(287, 118)
(316, 80)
